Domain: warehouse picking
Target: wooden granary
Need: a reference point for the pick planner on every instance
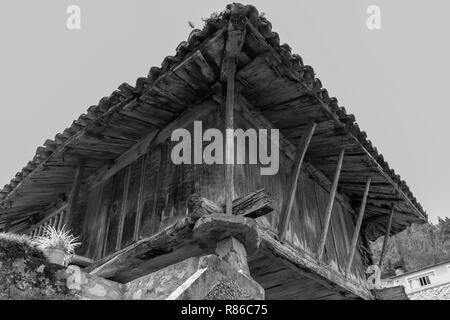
(110, 179)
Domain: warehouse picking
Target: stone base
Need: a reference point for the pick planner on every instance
(224, 275)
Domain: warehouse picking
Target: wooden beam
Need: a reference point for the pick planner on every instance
(73, 197)
(123, 208)
(293, 181)
(253, 205)
(386, 237)
(329, 208)
(258, 120)
(129, 156)
(171, 245)
(306, 265)
(333, 117)
(233, 46)
(140, 204)
(358, 227)
(152, 139)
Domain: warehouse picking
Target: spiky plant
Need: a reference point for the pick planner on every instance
(53, 238)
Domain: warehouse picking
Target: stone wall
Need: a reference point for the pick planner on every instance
(25, 273)
(220, 276)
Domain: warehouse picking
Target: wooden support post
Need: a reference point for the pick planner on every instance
(123, 208)
(293, 181)
(329, 208)
(140, 204)
(358, 227)
(386, 237)
(73, 197)
(235, 40)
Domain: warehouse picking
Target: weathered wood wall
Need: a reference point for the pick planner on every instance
(166, 188)
(306, 223)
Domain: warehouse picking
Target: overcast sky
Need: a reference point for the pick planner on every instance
(394, 80)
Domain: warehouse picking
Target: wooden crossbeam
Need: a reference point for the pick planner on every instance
(151, 140)
(171, 245)
(386, 237)
(293, 181)
(329, 208)
(358, 227)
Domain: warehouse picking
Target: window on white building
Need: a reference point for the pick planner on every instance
(421, 280)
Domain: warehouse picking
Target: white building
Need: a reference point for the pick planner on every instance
(431, 283)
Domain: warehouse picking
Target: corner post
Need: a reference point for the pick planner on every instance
(233, 46)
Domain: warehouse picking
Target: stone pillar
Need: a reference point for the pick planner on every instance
(90, 287)
(219, 276)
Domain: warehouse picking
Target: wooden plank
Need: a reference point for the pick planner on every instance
(292, 183)
(140, 204)
(138, 150)
(330, 205)
(253, 205)
(308, 266)
(357, 227)
(74, 193)
(114, 211)
(170, 245)
(386, 237)
(150, 140)
(257, 120)
(123, 208)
